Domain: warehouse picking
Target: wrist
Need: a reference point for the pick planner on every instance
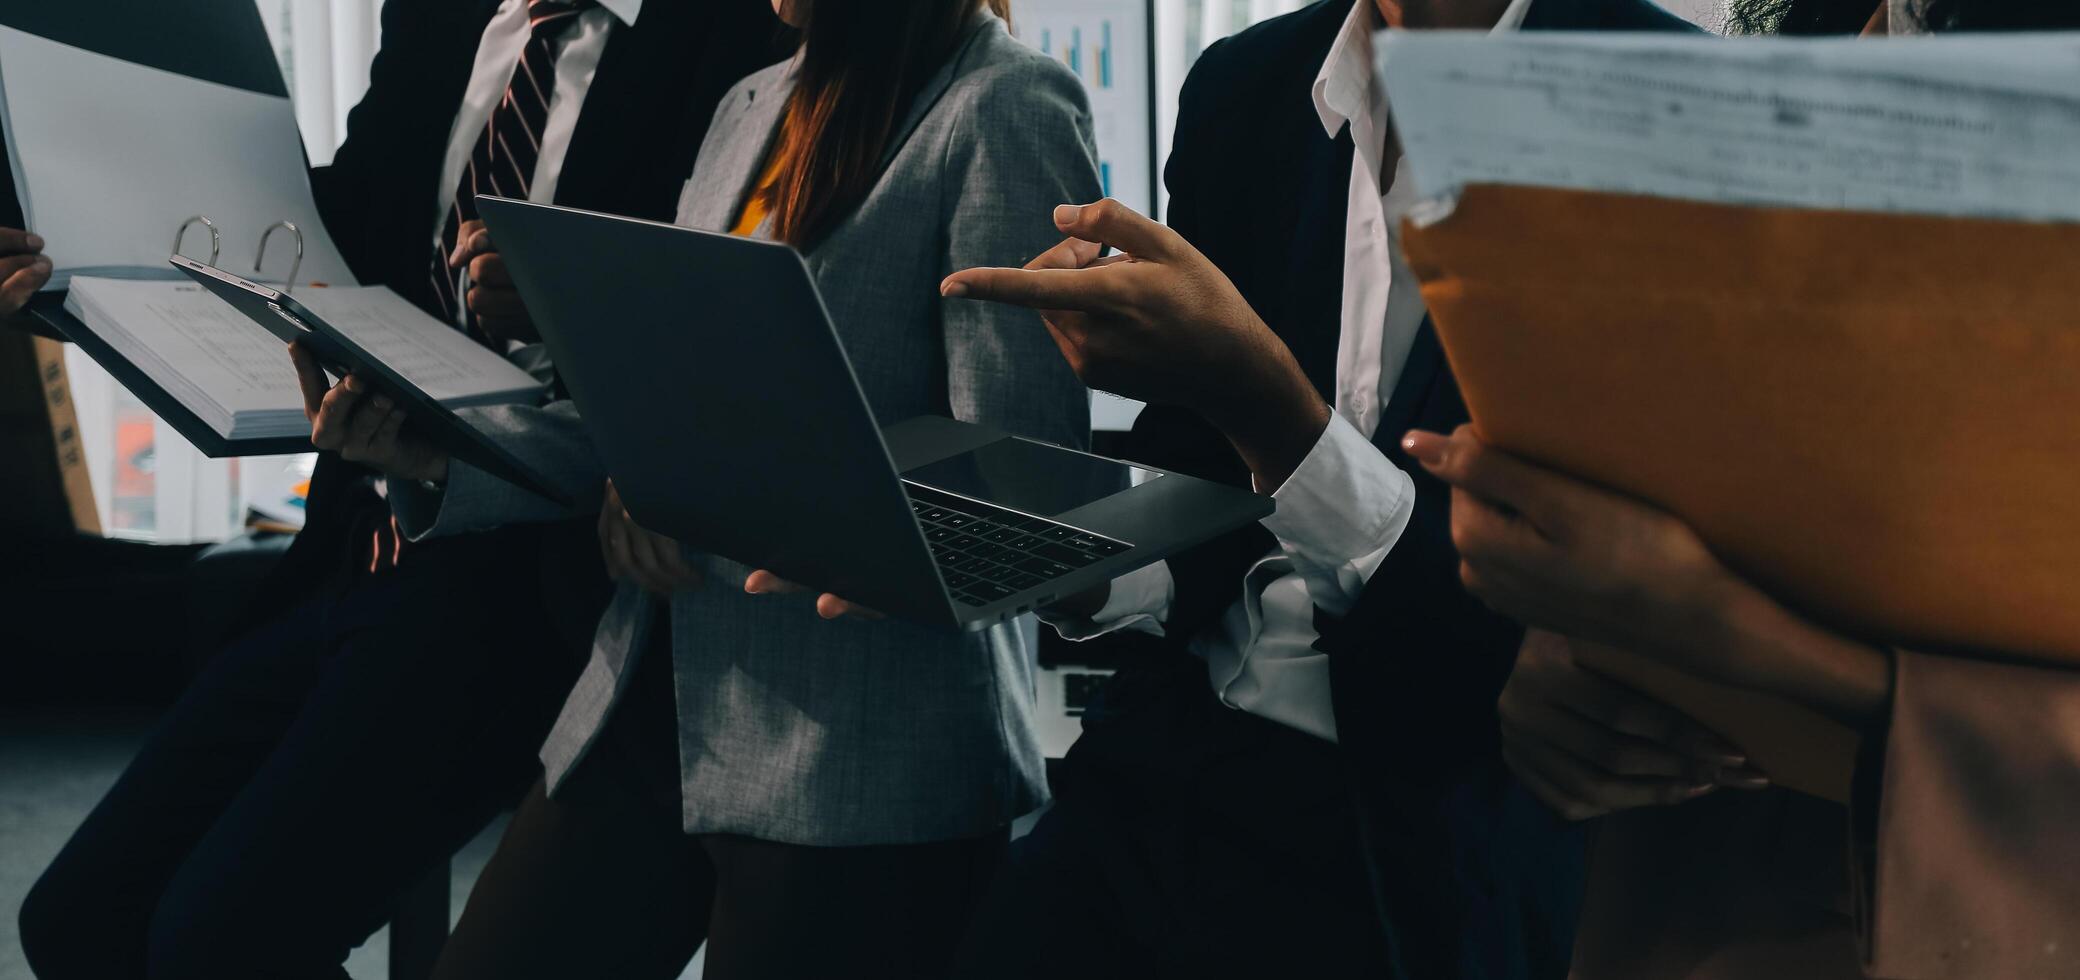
(434, 471)
(1769, 648)
(1273, 422)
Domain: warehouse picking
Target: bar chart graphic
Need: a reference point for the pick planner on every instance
(1106, 44)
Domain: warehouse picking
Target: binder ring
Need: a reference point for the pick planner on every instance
(288, 284)
(216, 241)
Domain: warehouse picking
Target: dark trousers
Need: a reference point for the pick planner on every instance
(600, 881)
(319, 766)
(1187, 839)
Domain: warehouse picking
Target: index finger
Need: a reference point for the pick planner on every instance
(15, 241)
(1077, 290)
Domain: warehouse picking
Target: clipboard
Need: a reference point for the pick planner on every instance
(278, 312)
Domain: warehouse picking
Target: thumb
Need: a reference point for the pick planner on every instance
(1109, 222)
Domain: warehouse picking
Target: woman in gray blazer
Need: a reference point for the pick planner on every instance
(806, 795)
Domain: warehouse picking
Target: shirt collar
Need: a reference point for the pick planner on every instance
(1345, 87)
(624, 11)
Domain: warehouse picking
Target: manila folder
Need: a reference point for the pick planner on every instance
(1874, 417)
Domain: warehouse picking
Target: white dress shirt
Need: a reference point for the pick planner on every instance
(498, 56)
(1344, 507)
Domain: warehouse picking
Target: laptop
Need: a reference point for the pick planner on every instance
(718, 395)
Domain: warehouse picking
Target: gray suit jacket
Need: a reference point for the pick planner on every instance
(849, 733)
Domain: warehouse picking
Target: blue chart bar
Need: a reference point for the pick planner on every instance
(1105, 56)
(1076, 50)
(1105, 178)
(1046, 42)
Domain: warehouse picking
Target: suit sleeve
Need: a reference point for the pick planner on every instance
(550, 439)
(1020, 148)
(1966, 848)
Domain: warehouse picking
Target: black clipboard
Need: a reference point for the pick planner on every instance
(50, 309)
(280, 314)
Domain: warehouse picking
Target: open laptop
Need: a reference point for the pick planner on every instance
(716, 391)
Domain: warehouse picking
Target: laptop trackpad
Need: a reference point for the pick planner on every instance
(1030, 477)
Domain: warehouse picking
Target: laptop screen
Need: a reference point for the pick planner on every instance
(1030, 477)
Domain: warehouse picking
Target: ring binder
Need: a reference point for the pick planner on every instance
(289, 284)
(216, 241)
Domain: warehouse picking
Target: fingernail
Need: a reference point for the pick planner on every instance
(35, 241)
(1426, 447)
(1743, 779)
(1699, 790)
(382, 403)
(953, 289)
(1065, 214)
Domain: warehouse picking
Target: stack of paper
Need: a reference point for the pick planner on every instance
(1980, 126)
(237, 378)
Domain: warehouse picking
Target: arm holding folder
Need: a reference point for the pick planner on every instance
(1840, 354)
(1959, 834)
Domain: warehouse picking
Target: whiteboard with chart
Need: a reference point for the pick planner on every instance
(1106, 43)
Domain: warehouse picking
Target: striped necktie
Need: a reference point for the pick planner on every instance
(504, 158)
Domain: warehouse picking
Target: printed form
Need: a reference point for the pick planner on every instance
(1983, 126)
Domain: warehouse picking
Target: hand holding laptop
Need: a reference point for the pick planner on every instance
(23, 269)
(1162, 324)
(638, 555)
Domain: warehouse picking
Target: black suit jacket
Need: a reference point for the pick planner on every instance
(1471, 877)
(657, 86)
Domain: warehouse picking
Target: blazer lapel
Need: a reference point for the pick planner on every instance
(934, 87)
(1314, 296)
(728, 178)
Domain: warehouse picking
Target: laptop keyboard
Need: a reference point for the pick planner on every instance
(987, 554)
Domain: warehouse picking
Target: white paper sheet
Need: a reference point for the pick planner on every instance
(234, 375)
(441, 360)
(112, 156)
(1984, 126)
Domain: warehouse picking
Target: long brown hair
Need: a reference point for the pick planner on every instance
(862, 61)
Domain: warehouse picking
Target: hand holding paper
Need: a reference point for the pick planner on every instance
(1562, 555)
(23, 269)
(1589, 746)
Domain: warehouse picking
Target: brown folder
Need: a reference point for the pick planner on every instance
(1874, 417)
(44, 489)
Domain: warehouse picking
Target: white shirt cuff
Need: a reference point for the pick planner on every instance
(1139, 600)
(1340, 513)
